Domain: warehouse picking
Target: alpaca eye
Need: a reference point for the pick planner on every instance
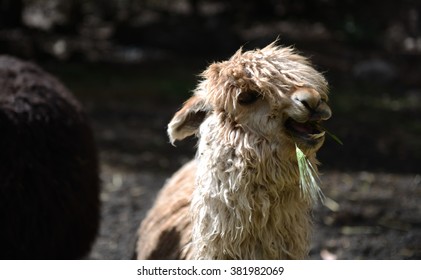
(248, 97)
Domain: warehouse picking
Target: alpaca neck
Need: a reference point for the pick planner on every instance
(247, 205)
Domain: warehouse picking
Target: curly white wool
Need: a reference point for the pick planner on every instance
(245, 204)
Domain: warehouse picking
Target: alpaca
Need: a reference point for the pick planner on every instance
(49, 187)
(240, 198)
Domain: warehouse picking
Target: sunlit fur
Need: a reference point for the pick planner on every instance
(246, 201)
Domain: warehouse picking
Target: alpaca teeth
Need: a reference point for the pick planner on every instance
(318, 135)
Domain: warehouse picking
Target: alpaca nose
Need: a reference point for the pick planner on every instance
(313, 102)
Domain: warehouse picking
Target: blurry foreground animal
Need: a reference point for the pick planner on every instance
(49, 184)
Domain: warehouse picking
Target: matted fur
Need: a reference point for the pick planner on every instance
(167, 227)
(247, 203)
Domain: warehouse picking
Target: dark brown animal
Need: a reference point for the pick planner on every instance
(49, 184)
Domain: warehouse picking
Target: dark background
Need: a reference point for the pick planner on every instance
(132, 64)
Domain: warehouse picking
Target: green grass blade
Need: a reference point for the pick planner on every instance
(334, 137)
(309, 179)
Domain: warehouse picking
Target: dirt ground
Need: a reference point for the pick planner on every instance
(366, 214)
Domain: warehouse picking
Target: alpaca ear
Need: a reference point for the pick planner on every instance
(187, 120)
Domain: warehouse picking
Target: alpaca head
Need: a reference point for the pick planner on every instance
(271, 94)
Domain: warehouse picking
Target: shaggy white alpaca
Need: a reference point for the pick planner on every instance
(240, 198)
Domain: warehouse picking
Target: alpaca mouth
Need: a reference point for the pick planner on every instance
(309, 132)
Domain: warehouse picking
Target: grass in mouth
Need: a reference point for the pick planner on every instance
(334, 137)
(309, 179)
